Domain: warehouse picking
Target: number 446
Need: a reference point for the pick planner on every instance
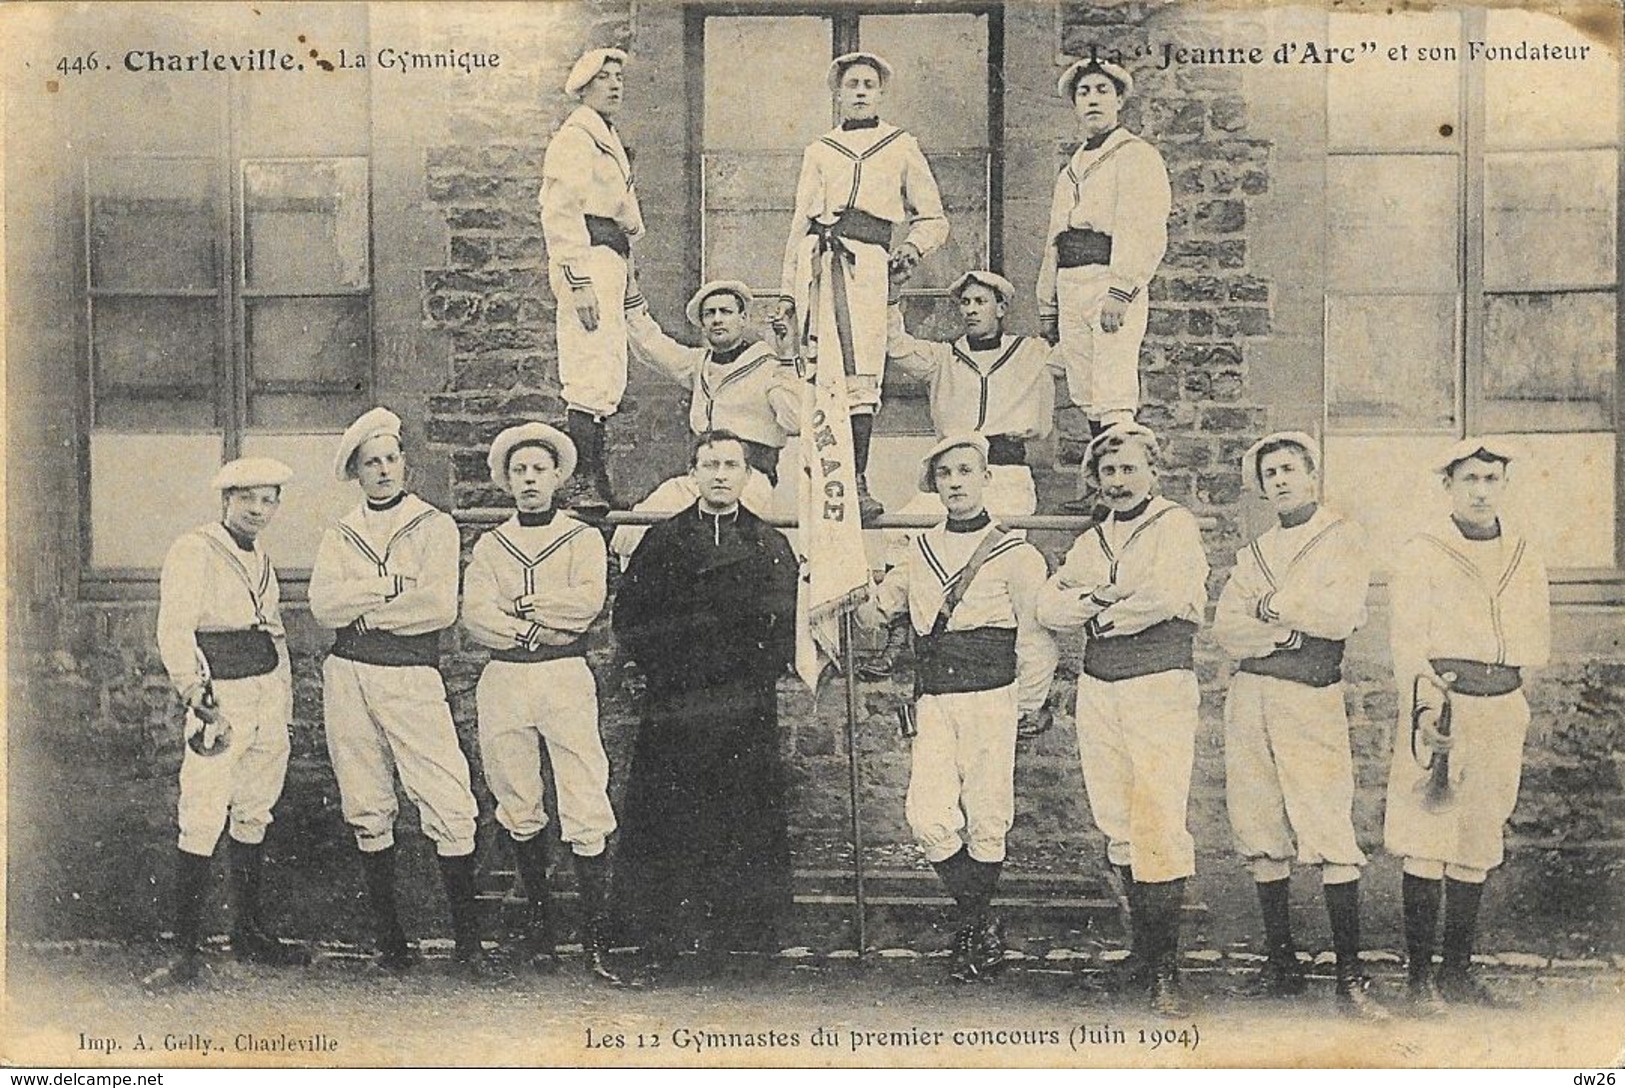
(78, 65)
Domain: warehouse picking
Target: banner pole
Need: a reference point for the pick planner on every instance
(849, 669)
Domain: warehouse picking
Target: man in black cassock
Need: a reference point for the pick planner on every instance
(707, 611)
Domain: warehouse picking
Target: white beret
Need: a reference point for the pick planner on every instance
(1006, 290)
(371, 424)
(591, 63)
(1497, 446)
(717, 287)
(564, 450)
(928, 463)
(1080, 68)
(840, 64)
(251, 472)
(1116, 435)
(1249, 460)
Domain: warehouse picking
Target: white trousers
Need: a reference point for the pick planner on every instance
(1010, 494)
(592, 365)
(382, 717)
(244, 782)
(962, 774)
(1137, 744)
(1289, 774)
(1486, 766)
(1102, 368)
(520, 706)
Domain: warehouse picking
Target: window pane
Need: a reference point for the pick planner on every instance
(305, 225)
(313, 501)
(939, 89)
(1564, 101)
(307, 361)
(1549, 360)
(155, 361)
(152, 224)
(1396, 106)
(749, 198)
(1391, 362)
(1549, 219)
(132, 477)
(1392, 223)
(792, 54)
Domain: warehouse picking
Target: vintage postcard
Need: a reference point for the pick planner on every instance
(813, 533)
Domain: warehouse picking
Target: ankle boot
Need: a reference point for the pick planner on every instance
(1282, 975)
(250, 942)
(394, 952)
(191, 890)
(457, 874)
(1420, 898)
(541, 940)
(584, 491)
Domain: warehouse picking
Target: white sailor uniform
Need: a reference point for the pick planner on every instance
(590, 218)
(530, 593)
(1293, 598)
(1137, 691)
(1481, 610)
(386, 580)
(1108, 231)
(856, 185)
(1005, 392)
(218, 621)
(991, 663)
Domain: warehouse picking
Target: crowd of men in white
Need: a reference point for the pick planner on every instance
(1469, 596)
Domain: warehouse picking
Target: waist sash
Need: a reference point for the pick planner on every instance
(386, 647)
(1079, 247)
(1003, 449)
(518, 655)
(1478, 677)
(1159, 648)
(237, 655)
(955, 662)
(604, 231)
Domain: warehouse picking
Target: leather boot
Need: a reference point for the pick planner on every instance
(989, 929)
(394, 952)
(585, 491)
(250, 942)
(1282, 975)
(541, 939)
(1420, 898)
(457, 874)
(592, 878)
(955, 872)
(1088, 497)
(1162, 907)
(863, 429)
(1353, 987)
(191, 889)
(1458, 984)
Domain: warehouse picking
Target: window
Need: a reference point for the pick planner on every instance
(228, 298)
(751, 143)
(1471, 272)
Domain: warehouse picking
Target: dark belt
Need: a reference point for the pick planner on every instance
(955, 662)
(1003, 449)
(521, 656)
(1077, 247)
(237, 655)
(1478, 677)
(1317, 663)
(858, 226)
(604, 231)
(763, 458)
(386, 647)
(1159, 648)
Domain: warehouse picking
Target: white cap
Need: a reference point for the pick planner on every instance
(251, 472)
(1249, 460)
(1006, 290)
(928, 463)
(564, 450)
(717, 287)
(840, 64)
(371, 424)
(1115, 436)
(1067, 84)
(591, 63)
(1498, 446)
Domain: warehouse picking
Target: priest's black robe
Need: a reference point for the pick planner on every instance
(706, 609)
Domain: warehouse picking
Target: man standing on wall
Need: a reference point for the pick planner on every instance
(969, 587)
(1294, 597)
(858, 183)
(386, 579)
(590, 218)
(706, 610)
(221, 640)
(1108, 231)
(1471, 612)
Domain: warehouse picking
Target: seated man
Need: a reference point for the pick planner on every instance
(740, 385)
(969, 587)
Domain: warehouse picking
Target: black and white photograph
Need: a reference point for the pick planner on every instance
(813, 534)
